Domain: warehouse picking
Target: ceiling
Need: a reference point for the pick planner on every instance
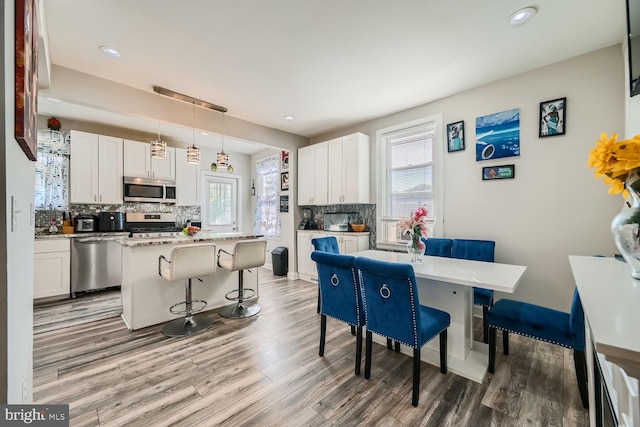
(329, 63)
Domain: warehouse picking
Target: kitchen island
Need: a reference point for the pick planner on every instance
(146, 297)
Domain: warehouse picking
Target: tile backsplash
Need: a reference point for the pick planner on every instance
(366, 215)
(43, 217)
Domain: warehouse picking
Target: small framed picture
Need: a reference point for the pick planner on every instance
(455, 136)
(498, 172)
(284, 181)
(552, 117)
(285, 161)
(284, 203)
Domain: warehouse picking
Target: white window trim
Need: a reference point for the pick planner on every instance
(438, 175)
(204, 175)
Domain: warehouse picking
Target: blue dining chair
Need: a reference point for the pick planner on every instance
(477, 250)
(341, 298)
(325, 244)
(545, 324)
(437, 246)
(392, 309)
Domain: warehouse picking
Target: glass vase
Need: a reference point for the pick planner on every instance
(415, 249)
(625, 226)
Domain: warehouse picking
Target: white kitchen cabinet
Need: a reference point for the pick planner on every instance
(306, 267)
(348, 169)
(347, 242)
(350, 243)
(137, 159)
(139, 163)
(51, 268)
(95, 169)
(312, 175)
(187, 180)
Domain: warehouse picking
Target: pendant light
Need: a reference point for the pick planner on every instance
(158, 147)
(193, 152)
(222, 158)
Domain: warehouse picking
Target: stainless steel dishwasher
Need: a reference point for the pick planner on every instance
(96, 263)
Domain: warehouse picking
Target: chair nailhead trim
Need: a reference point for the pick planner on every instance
(530, 336)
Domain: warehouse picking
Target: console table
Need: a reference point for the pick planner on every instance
(611, 301)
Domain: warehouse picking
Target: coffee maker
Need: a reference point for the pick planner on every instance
(307, 222)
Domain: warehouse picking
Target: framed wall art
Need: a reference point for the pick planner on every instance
(285, 161)
(284, 181)
(498, 172)
(498, 135)
(26, 76)
(552, 117)
(455, 136)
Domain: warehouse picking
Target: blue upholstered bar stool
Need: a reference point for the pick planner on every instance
(341, 298)
(325, 244)
(246, 254)
(184, 263)
(545, 324)
(435, 246)
(477, 250)
(392, 309)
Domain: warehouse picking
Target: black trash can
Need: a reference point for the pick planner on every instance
(280, 261)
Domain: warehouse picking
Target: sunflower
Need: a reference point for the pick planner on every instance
(613, 160)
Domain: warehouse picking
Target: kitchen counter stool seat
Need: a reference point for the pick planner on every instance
(187, 262)
(246, 254)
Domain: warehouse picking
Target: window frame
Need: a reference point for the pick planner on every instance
(382, 221)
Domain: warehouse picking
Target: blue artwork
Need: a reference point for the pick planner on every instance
(498, 135)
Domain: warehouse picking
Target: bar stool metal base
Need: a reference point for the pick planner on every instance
(187, 326)
(239, 311)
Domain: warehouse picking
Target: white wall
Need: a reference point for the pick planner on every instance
(554, 207)
(16, 246)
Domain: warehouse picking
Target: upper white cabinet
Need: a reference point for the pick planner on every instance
(187, 180)
(139, 163)
(348, 169)
(95, 169)
(312, 175)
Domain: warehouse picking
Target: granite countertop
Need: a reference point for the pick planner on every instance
(357, 233)
(202, 236)
(48, 236)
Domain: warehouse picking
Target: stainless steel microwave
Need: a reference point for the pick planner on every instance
(148, 190)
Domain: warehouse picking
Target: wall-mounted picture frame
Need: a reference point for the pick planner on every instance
(498, 135)
(285, 161)
(552, 117)
(455, 136)
(490, 173)
(284, 203)
(26, 76)
(284, 181)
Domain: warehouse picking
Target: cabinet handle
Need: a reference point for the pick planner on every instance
(95, 198)
(100, 198)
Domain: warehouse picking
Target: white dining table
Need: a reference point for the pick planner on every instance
(447, 284)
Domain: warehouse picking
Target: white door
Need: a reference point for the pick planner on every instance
(335, 159)
(83, 167)
(137, 159)
(110, 170)
(220, 196)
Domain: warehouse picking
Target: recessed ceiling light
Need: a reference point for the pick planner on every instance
(53, 99)
(110, 51)
(204, 133)
(289, 118)
(521, 16)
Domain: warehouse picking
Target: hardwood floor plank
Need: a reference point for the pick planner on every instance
(265, 371)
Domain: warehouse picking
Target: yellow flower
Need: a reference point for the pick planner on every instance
(613, 159)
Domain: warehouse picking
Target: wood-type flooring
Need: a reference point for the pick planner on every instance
(265, 371)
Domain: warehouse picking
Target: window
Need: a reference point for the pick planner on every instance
(268, 192)
(407, 157)
(220, 203)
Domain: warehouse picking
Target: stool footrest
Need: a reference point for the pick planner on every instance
(197, 305)
(240, 294)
